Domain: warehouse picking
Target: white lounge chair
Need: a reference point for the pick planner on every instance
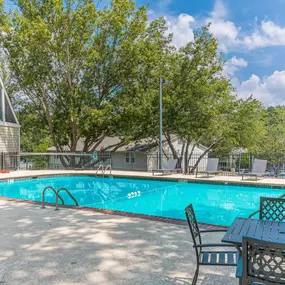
(258, 169)
(169, 168)
(212, 167)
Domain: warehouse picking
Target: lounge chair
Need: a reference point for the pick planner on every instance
(258, 169)
(212, 167)
(170, 167)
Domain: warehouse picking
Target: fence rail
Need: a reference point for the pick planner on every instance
(229, 164)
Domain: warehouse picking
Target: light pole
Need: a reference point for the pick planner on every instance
(161, 81)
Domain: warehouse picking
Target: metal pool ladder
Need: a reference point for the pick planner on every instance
(54, 191)
(108, 167)
(57, 196)
(101, 167)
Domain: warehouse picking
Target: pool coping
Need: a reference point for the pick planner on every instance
(178, 222)
(248, 183)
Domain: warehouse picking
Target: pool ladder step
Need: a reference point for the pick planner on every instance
(57, 196)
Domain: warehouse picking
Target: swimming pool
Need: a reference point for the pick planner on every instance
(214, 203)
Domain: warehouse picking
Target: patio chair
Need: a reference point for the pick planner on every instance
(209, 257)
(262, 263)
(169, 168)
(212, 167)
(258, 169)
(272, 209)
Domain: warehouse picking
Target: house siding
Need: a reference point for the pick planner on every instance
(9, 139)
(177, 144)
(118, 160)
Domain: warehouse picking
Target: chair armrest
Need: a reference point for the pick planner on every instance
(214, 245)
(212, 231)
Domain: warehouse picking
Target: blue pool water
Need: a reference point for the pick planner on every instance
(214, 204)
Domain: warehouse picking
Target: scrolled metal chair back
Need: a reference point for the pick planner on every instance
(263, 262)
(272, 209)
(193, 225)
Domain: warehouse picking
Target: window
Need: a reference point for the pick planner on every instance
(130, 157)
(6, 112)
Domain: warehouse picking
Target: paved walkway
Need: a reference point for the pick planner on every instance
(76, 247)
(217, 178)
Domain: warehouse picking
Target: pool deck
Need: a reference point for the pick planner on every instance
(43, 246)
(266, 181)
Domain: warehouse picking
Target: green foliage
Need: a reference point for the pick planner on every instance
(89, 72)
(34, 131)
(273, 139)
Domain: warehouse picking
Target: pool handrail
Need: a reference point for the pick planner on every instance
(56, 194)
(257, 211)
(101, 166)
(108, 167)
(68, 192)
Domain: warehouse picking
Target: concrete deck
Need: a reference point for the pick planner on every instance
(218, 178)
(42, 246)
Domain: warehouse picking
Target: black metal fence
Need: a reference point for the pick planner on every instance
(52, 161)
(229, 164)
(9, 161)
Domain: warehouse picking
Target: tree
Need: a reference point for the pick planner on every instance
(76, 63)
(198, 98)
(271, 145)
(199, 103)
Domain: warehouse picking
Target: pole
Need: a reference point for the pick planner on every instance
(160, 123)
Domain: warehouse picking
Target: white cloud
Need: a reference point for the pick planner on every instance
(233, 65)
(268, 34)
(181, 29)
(220, 11)
(270, 90)
(230, 36)
(265, 34)
(225, 32)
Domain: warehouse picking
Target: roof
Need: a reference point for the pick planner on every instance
(111, 144)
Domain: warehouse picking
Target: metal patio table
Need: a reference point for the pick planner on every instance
(264, 230)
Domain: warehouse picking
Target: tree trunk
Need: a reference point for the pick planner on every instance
(173, 150)
(186, 156)
(191, 153)
(203, 154)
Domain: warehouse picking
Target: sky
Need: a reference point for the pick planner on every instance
(251, 35)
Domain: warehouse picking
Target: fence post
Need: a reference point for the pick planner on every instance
(251, 161)
(157, 159)
(2, 160)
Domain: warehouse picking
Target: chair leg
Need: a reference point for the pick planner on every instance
(195, 278)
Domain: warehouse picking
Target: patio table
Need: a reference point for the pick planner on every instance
(264, 230)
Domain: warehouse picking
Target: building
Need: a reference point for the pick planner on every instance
(9, 132)
(139, 156)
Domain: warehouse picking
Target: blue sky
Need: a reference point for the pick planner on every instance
(251, 35)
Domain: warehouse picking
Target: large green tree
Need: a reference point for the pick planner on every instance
(79, 66)
(199, 105)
